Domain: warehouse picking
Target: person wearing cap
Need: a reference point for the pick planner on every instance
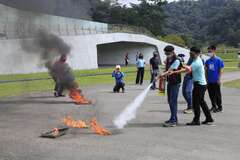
(214, 69)
(154, 69)
(199, 88)
(173, 63)
(118, 75)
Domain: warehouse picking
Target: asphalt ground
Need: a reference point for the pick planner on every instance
(24, 118)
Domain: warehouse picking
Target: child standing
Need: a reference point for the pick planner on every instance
(118, 75)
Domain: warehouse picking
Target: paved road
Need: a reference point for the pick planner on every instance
(230, 76)
(22, 119)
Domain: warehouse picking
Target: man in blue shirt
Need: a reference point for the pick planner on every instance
(199, 88)
(214, 69)
(140, 69)
(118, 75)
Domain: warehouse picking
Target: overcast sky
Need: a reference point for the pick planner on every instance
(134, 1)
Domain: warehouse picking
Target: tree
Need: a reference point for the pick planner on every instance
(205, 21)
(174, 39)
(148, 14)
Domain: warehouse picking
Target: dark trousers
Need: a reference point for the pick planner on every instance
(119, 86)
(172, 93)
(215, 95)
(187, 90)
(126, 62)
(58, 89)
(140, 75)
(198, 101)
(154, 74)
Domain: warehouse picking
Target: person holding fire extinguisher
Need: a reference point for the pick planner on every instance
(173, 63)
(199, 88)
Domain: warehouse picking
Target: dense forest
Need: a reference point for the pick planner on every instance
(190, 22)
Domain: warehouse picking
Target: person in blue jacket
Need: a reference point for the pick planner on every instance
(118, 75)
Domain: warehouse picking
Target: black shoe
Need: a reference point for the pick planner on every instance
(219, 110)
(168, 121)
(213, 109)
(193, 123)
(55, 94)
(208, 122)
(170, 124)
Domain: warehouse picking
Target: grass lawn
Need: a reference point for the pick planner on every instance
(18, 88)
(232, 84)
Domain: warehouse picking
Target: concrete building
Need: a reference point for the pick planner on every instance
(66, 8)
(93, 44)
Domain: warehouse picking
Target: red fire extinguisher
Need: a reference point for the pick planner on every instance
(162, 86)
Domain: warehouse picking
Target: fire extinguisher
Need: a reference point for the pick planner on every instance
(162, 86)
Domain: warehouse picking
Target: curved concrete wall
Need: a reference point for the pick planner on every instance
(84, 53)
(66, 8)
(15, 24)
(22, 24)
(114, 53)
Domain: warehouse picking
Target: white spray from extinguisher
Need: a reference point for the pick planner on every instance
(129, 113)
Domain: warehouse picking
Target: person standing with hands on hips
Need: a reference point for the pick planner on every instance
(214, 70)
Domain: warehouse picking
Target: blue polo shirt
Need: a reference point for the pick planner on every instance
(118, 76)
(213, 66)
(140, 63)
(198, 72)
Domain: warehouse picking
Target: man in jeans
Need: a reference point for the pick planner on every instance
(187, 89)
(199, 88)
(154, 69)
(173, 63)
(214, 69)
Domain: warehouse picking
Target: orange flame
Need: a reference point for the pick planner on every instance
(70, 122)
(98, 129)
(75, 94)
(55, 131)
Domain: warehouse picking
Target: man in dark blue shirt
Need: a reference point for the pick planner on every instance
(214, 69)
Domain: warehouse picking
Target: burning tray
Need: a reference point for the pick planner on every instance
(55, 132)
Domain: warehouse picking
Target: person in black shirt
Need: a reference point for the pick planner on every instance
(154, 69)
(126, 59)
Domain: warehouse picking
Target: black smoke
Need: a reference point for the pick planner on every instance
(50, 48)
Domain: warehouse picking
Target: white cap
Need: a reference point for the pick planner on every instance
(118, 67)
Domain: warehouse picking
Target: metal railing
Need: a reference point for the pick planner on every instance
(113, 28)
